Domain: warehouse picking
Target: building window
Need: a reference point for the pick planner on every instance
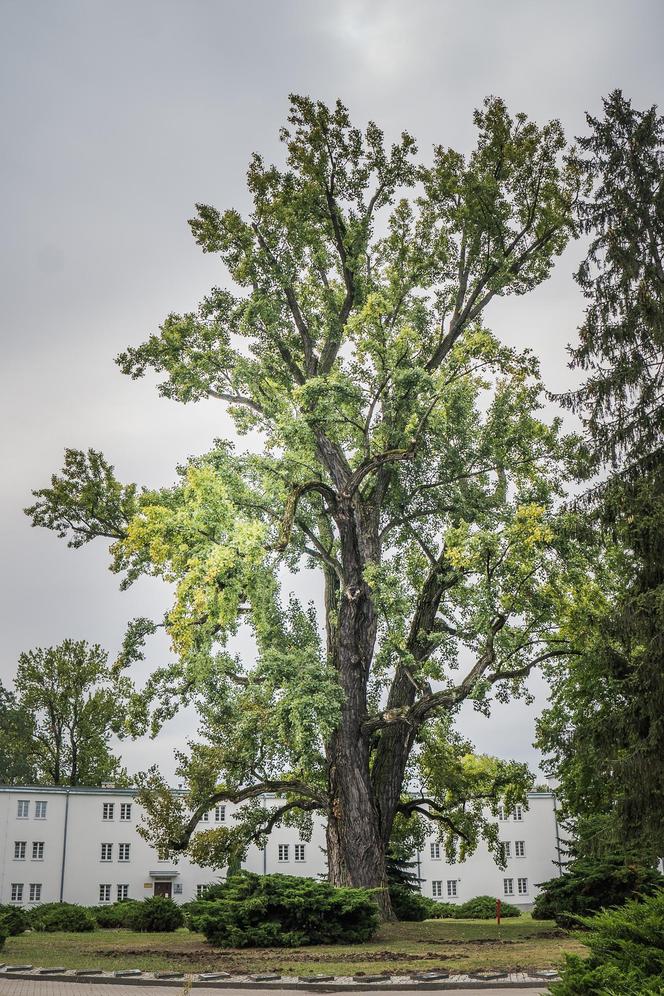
(40, 810)
(123, 852)
(522, 886)
(125, 810)
(19, 850)
(520, 848)
(517, 813)
(23, 809)
(451, 888)
(205, 818)
(104, 893)
(201, 890)
(283, 852)
(162, 854)
(508, 886)
(501, 813)
(17, 892)
(435, 851)
(108, 811)
(106, 852)
(38, 850)
(505, 849)
(436, 888)
(299, 852)
(122, 892)
(219, 814)
(35, 892)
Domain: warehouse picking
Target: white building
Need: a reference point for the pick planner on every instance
(80, 845)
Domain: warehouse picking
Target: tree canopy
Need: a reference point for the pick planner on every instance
(604, 731)
(70, 709)
(403, 458)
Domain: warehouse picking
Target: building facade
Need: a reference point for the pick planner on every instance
(80, 845)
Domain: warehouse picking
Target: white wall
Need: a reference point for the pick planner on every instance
(84, 870)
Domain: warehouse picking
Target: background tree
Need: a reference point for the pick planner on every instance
(16, 732)
(402, 458)
(605, 729)
(67, 693)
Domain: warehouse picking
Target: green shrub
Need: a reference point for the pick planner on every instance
(590, 885)
(409, 905)
(14, 920)
(3, 935)
(62, 916)
(484, 908)
(626, 952)
(116, 915)
(155, 914)
(442, 911)
(284, 911)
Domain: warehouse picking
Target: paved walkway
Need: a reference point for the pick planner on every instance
(39, 987)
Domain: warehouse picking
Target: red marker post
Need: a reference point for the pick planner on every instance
(498, 912)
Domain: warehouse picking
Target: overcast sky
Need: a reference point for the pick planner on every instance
(117, 116)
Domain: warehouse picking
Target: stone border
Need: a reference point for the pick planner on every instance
(221, 980)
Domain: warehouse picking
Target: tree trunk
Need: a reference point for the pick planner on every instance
(356, 851)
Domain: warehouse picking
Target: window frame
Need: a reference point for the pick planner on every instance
(508, 886)
(522, 886)
(34, 892)
(41, 806)
(125, 808)
(21, 805)
(106, 896)
(108, 811)
(437, 888)
(16, 892)
(283, 853)
(434, 850)
(452, 888)
(20, 848)
(125, 894)
(121, 849)
(36, 846)
(299, 852)
(106, 846)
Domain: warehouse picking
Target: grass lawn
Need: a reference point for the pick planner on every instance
(457, 945)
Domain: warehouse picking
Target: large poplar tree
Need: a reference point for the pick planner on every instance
(402, 459)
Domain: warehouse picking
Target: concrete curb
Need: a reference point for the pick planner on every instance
(285, 984)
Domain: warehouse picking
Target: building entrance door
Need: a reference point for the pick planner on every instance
(163, 889)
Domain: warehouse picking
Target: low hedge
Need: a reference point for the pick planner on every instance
(484, 908)
(13, 919)
(4, 934)
(283, 911)
(410, 905)
(116, 915)
(154, 915)
(69, 917)
(626, 952)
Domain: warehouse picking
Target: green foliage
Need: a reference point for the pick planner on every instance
(590, 885)
(67, 692)
(626, 953)
(16, 734)
(409, 905)
(484, 908)
(443, 911)
(3, 935)
(69, 917)
(13, 919)
(116, 914)
(402, 457)
(284, 911)
(155, 914)
(604, 732)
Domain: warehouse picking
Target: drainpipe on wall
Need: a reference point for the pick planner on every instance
(555, 820)
(64, 848)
